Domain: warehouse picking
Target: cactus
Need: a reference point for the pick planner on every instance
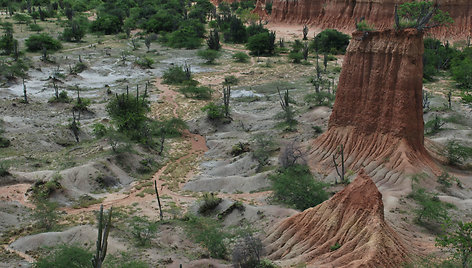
(102, 239)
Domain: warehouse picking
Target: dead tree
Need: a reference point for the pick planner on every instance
(75, 125)
(292, 154)
(226, 97)
(25, 96)
(449, 95)
(339, 151)
(158, 201)
(104, 226)
(305, 32)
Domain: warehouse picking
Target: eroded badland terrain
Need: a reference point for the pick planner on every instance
(268, 149)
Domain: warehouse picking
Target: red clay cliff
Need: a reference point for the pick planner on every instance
(342, 14)
(378, 114)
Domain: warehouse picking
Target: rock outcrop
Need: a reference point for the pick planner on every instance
(378, 113)
(342, 14)
(347, 230)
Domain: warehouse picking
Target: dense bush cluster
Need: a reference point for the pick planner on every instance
(331, 41)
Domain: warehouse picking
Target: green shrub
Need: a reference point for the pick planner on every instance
(189, 35)
(177, 75)
(196, 92)
(262, 44)
(85, 201)
(230, 80)
(107, 23)
(209, 233)
(35, 28)
(240, 57)
(331, 41)
(364, 26)
(322, 98)
(335, 246)
(459, 239)
(209, 55)
(462, 72)
(295, 186)
(264, 146)
(99, 130)
(128, 113)
(296, 57)
(466, 97)
(457, 154)
(63, 97)
(143, 230)
(145, 62)
(214, 111)
(209, 202)
(65, 256)
(240, 148)
(45, 214)
(434, 125)
(42, 190)
(4, 169)
(36, 42)
(81, 104)
(430, 210)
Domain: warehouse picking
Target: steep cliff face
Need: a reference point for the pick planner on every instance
(353, 219)
(342, 14)
(378, 115)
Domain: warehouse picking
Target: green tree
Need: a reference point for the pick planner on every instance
(129, 114)
(421, 15)
(75, 31)
(330, 41)
(38, 42)
(262, 44)
(459, 240)
(7, 42)
(295, 186)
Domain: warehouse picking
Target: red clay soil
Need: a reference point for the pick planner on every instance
(342, 14)
(352, 218)
(378, 114)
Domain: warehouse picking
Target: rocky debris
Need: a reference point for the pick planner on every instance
(348, 230)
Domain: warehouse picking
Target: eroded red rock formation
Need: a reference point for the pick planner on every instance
(378, 114)
(342, 14)
(352, 218)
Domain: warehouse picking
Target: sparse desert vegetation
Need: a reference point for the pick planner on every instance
(167, 133)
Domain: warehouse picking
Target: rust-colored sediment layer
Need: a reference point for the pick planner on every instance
(378, 115)
(353, 218)
(342, 14)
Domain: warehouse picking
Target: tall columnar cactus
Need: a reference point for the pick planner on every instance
(104, 226)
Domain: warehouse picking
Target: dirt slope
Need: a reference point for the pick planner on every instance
(353, 218)
(342, 14)
(378, 115)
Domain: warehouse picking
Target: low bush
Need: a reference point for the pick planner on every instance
(209, 202)
(81, 104)
(196, 92)
(143, 230)
(144, 62)
(62, 97)
(35, 28)
(262, 44)
(209, 233)
(99, 130)
(177, 75)
(214, 111)
(240, 57)
(209, 55)
(4, 169)
(65, 256)
(431, 210)
(322, 98)
(295, 186)
(457, 154)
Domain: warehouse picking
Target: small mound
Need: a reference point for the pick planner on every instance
(353, 220)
